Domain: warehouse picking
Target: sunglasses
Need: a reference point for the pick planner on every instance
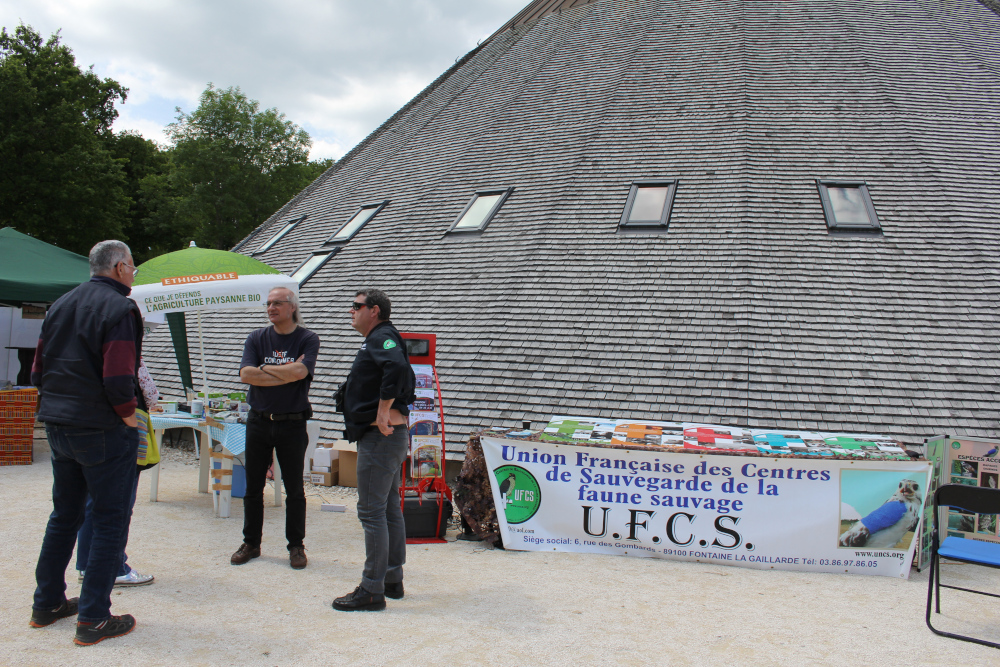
(358, 306)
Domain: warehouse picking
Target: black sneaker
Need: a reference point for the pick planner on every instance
(394, 591)
(360, 600)
(42, 617)
(88, 634)
(244, 554)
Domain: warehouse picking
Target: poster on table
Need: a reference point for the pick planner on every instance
(810, 513)
(708, 437)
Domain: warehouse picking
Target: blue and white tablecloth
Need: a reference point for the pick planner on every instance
(232, 436)
(173, 420)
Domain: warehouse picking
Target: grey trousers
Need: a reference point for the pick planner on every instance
(380, 459)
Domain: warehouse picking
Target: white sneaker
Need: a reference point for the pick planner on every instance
(133, 578)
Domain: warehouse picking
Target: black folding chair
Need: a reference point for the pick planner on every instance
(971, 499)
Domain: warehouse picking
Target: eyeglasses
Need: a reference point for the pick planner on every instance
(135, 271)
(358, 306)
(276, 303)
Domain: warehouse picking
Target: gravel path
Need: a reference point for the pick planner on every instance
(464, 604)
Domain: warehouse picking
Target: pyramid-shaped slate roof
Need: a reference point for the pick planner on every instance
(747, 310)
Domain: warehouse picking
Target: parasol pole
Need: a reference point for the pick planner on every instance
(201, 350)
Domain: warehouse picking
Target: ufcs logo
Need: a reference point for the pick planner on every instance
(520, 496)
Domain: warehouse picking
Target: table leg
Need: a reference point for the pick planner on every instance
(222, 483)
(204, 442)
(154, 474)
(226, 489)
(277, 483)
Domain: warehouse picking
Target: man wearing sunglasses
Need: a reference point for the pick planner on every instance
(376, 395)
(85, 370)
(278, 364)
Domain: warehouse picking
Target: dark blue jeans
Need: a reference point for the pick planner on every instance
(101, 462)
(380, 461)
(86, 534)
(289, 441)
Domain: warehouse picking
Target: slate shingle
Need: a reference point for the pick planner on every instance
(747, 310)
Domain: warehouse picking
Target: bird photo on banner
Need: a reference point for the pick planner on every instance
(873, 524)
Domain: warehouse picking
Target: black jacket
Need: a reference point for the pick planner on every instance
(381, 371)
(75, 332)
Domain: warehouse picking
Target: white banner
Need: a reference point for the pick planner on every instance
(211, 295)
(809, 514)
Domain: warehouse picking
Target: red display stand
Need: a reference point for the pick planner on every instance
(426, 423)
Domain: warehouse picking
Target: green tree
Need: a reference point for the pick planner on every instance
(235, 165)
(59, 182)
(151, 227)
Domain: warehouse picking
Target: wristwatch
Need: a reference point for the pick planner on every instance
(261, 367)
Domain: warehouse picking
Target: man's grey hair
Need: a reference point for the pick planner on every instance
(105, 256)
(293, 299)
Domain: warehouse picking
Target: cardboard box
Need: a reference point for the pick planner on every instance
(322, 456)
(333, 467)
(347, 456)
(349, 465)
(323, 478)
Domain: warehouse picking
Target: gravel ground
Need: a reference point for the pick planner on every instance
(464, 604)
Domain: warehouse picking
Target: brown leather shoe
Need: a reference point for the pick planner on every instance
(244, 554)
(297, 557)
(360, 600)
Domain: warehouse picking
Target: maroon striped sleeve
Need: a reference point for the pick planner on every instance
(119, 367)
(36, 365)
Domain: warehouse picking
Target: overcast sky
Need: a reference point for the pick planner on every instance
(337, 68)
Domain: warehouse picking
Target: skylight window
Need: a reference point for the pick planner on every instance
(277, 237)
(357, 221)
(480, 210)
(649, 204)
(309, 267)
(847, 205)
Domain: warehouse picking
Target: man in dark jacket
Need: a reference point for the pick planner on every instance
(85, 370)
(377, 394)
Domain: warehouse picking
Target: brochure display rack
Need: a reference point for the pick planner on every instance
(960, 460)
(425, 496)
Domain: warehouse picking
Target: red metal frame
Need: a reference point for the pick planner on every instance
(437, 483)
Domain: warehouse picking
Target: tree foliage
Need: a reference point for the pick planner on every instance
(59, 181)
(150, 228)
(67, 179)
(235, 165)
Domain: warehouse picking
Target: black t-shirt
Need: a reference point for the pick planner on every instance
(266, 346)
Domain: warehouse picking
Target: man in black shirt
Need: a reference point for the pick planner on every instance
(376, 396)
(278, 364)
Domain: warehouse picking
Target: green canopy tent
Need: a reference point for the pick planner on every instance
(32, 271)
(35, 272)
